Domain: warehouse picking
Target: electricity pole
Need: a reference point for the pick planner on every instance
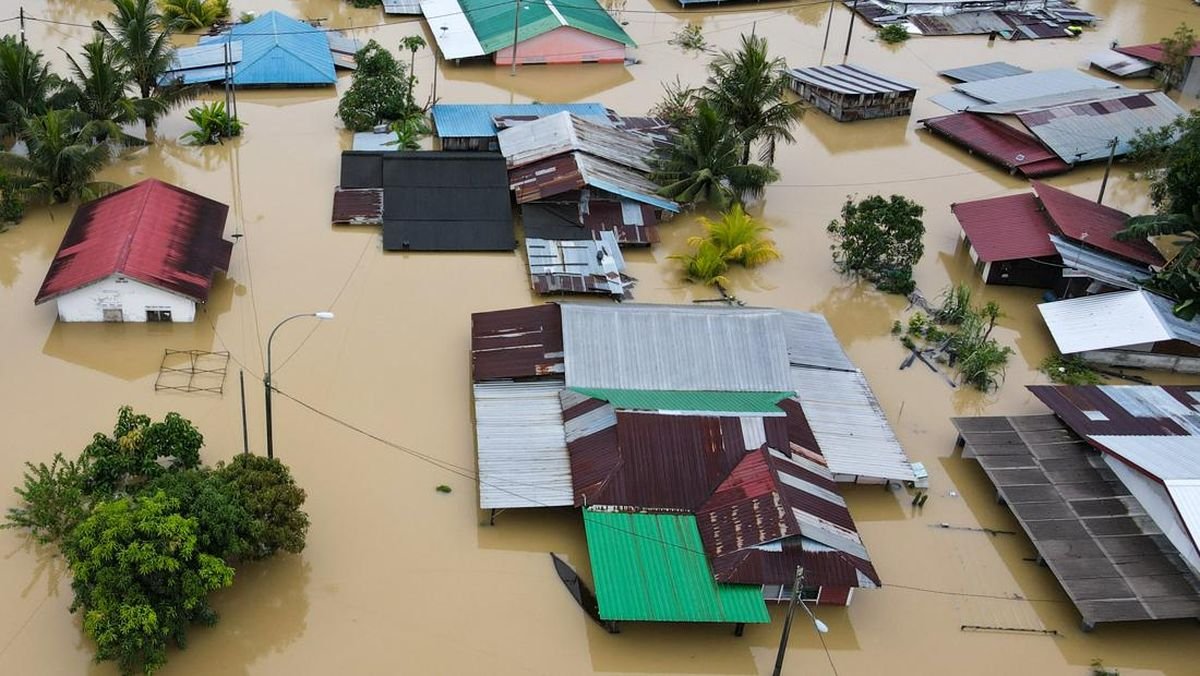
(850, 31)
(245, 429)
(1112, 151)
(828, 24)
(22, 15)
(516, 25)
(787, 623)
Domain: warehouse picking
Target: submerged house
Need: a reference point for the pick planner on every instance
(1105, 488)
(1008, 19)
(1052, 239)
(848, 92)
(599, 407)
(546, 31)
(1146, 60)
(146, 253)
(473, 126)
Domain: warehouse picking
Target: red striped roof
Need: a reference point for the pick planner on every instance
(1006, 228)
(1007, 146)
(1096, 225)
(1152, 52)
(153, 232)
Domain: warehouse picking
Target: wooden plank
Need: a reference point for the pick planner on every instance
(1069, 549)
(1150, 566)
(1063, 450)
(1065, 464)
(1113, 610)
(1040, 511)
(1040, 437)
(1164, 609)
(1036, 422)
(1100, 507)
(1092, 490)
(1074, 476)
(998, 449)
(1114, 525)
(982, 424)
(1128, 546)
(1018, 494)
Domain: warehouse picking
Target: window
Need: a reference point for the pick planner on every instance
(158, 315)
(113, 314)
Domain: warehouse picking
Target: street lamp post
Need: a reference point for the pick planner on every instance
(267, 375)
(787, 623)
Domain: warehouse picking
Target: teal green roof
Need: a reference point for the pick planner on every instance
(652, 567)
(493, 21)
(679, 400)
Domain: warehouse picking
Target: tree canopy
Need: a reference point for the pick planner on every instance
(381, 91)
(879, 239)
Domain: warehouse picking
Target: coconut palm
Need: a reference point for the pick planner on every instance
(100, 84)
(705, 265)
(1179, 279)
(702, 164)
(141, 39)
(739, 237)
(412, 43)
(184, 15)
(63, 156)
(27, 87)
(749, 88)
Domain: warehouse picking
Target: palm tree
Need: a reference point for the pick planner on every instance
(63, 157)
(738, 237)
(702, 163)
(141, 39)
(183, 15)
(27, 87)
(100, 86)
(412, 43)
(748, 88)
(1179, 279)
(706, 265)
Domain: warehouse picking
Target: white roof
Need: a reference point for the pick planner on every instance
(1121, 65)
(523, 459)
(1169, 458)
(458, 40)
(1114, 320)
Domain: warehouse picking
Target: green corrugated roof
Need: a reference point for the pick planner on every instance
(651, 567)
(678, 400)
(493, 21)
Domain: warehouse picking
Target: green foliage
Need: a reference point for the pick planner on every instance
(213, 123)
(1172, 157)
(54, 499)
(381, 91)
(184, 15)
(62, 157)
(678, 104)
(739, 238)
(979, 359)
(690, 38)
(27, 87)
(409, 132)
(12, 206)
(705, 265)
(892, 33)
(139, 449)
(1176, 49)
(141, 37)
(879, 239)
(223, 526)
(443, 488)
(1069, 370)
(366, 4)
(897, 328)
(270, 496)
(955, 305)
(140, 579)
(917, 324)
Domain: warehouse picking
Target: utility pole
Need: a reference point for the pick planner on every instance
(228, 83)
(1112, 151)
(516, 25)
(22, 15)
(850, 31)
(828, 25)
(787, 623)
(245, 430)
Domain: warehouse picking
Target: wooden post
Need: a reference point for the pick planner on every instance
(245, 430)
(850, 31)
(1112, 151)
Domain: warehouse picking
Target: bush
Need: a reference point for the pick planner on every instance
(139, 450)
(54, 499)
(213, 123)
(879, 239)
(12, 207)
(893, 33)
(381, 91)
(266, 491)
(979, 359)
(1069, 370)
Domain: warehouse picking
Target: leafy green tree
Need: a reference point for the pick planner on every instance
(139, 449)
(893, 33)
(706, 264)
(412, 43)
(1176, 55)
(749, 88)
(678, 103)
(409, 132)
(141, 38)
(185, 15)
(223, 526)
(99, 88)
(141, 580)
(379, 93)
(12, 205)
(54, 497)
(702, 165)
(880, 240)
(739, 238)
(27, 86)
(269, 494)
(63, 156)
(213, 123)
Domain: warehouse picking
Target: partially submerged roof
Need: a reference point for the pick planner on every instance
(563, 132)
(479, 27)
(577, 265)
(401, 6)
(279, 50)
(358, 206)
(641, 346)
(202, 63)
(522, 452)
(850, 79)
(477, 120)
(154, 232)
(1029, 85)
(1121, 319)
(1121, 65)
(631, 222)
(652, 567)
(1083, 261)
(1152, 52)
(569, 172)
(1083, 220)
(1113, 562)
(1088, 410)
(983, 71)
(1006, 228)
(1006, 146)
(1085, 131)
(811, 342)
(519, 343)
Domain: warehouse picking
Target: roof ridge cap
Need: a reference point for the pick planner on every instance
(123, 257)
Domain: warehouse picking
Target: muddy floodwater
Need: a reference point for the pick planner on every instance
(401, 579)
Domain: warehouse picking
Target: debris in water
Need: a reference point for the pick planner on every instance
(443, 488)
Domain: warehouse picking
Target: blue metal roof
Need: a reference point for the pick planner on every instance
(280, 50)
(471, 120)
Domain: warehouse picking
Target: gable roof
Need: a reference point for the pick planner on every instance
(278, 50)
(568, 172)
(153, 232)
(477, 120)
(850, 79)
(1028, 85)
(1144, 410)
(1005, 228)
(492, 21)
(1083, 220)
(1115, 320)
(1083, 131)
(1152, 52)
(1006, 146)
(563, 132)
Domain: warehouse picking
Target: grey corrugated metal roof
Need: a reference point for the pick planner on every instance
(1082, 132)
(202, 63)
(369, 140)
(1048, 101)
(983, 71)
(522, 449)
(598, 261)
(1083, 261)
(477, 120)
(811, 342)
(849, 425)
(1028, 85)
(669, 347)
(401, 6)
(1115, 320)
(1121, 65)
(563, 132)
(849, 79)
(1167, 458)
(956, 101)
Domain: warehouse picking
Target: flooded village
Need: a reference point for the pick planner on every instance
(485, 351)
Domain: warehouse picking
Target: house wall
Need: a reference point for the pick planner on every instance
(1135, 358)
(1191, 80)
(850, 107)
(1153, 497)
(1037, 273)
(564, 45)
(133, 298)
(487, 143)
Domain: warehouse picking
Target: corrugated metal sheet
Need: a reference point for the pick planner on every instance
(522, 451)
(492, 22)
(451, 30)
(563, 132)
(675, 401)
(401, 6)
(154, 232)
(983, 71)
(1152, 52)
(633, 346)
(1082, 261)
(651, 567)
(1115, 320)
(1121, 65)
(520, 343)
(476, 120)
(811, 342)
(1124, 409)
(1006, 228)
(1008, 147)
(1029, 85)
(358, 206)
(1083, 220)
(1048, 101)
(563, 173)
(583, 266)
(965, 23)
(1167, 458)
(202, 63)
(849, 425)
(280, 50)
(632, 223)
(1083, 132)
(372, 141)
(956, 101)
(850, 79)
(343, 46)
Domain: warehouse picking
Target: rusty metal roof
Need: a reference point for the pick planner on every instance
(556, 175)
(563, 132)
(1152, 52)
(1083, 220)
(1006, 228)
(579, 266)
(520, 343)
(1010, 148)
(1124, 409)
(358, 206)
(631, 222)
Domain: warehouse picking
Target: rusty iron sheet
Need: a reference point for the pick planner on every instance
(358, 206)
(519, 343)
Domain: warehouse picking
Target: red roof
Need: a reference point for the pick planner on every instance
(1006, 228)
(521, 343)
(1095, 224)
(1007, 146)
(1152, 52)
(154, 232)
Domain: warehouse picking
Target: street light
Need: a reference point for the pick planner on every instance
(267, 376)
(787, 623)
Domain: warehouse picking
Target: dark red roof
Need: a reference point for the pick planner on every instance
(1152, 52)
(1094, 224)
(1006, 228)
(546, 178)
(521, 343)
(153, 232)
(1007, 146)
(1072, 402)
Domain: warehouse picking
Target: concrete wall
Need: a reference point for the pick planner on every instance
(118, 292)
(1146, 360)
(1154, 499)
(564, 45)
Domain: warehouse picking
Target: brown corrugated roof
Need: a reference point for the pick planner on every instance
(1094, 224)
(519, 343)
(358, 206)
(1123, 409)
(1006, 228)
(1006, 146)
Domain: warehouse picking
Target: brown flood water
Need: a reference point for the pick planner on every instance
(398, 578)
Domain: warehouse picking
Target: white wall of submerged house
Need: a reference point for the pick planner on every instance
(119, 298)
(563, 45)
(1153, 497)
